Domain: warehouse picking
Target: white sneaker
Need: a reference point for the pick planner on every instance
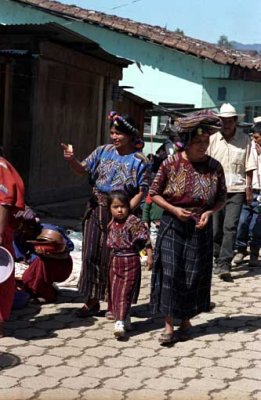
(127, 323)
(119, 329)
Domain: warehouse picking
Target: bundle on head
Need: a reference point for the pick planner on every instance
(197, 123)
(205, 119)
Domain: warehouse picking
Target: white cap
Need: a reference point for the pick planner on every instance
(6, 264)
(227, 111)
(257, 120)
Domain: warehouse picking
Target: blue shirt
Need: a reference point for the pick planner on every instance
(108, 170)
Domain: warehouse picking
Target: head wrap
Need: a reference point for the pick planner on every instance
(196, 123)
(122, 124)
(206, 120)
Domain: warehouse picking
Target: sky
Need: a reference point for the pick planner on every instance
(239, 20)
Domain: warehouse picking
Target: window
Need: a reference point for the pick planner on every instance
(222, 93)
(252, 112)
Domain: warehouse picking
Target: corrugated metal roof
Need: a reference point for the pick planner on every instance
(151, 33)
(15, 52)
(60, 34)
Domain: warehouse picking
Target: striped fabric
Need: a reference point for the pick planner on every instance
(95, 254)
(124, 284)
(202, 118)
(181, 276)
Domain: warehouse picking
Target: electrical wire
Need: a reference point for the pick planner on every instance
(125, 4)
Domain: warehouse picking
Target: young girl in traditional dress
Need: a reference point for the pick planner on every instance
(127, 235)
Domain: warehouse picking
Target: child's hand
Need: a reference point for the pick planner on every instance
(149, 263)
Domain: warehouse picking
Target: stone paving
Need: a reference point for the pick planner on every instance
(50, 354)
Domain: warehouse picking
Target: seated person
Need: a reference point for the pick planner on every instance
(27, 227)
(48, 256)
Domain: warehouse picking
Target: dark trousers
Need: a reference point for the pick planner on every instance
(225, 224)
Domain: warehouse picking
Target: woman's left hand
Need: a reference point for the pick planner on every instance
(203, 220)
(249, 195)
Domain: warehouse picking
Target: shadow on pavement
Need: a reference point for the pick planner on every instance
(218, 325)
(8, 360)
(26, 324)
(243, 270)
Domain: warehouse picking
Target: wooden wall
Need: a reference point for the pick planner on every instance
(58, 95)
(69, 105)
(134, 110)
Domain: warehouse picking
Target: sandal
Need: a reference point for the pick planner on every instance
(86, 311)
(168, 338)
(109, 316)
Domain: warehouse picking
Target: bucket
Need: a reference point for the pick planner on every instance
(6, 264)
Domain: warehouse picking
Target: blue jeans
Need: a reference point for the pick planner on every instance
(249, 227)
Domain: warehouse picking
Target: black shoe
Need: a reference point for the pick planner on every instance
(224, 273)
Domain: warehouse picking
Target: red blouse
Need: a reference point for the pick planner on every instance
(130, 235)
(195, 186)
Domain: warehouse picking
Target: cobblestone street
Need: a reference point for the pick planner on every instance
(51, 354)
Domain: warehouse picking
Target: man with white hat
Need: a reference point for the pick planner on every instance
(232, 148)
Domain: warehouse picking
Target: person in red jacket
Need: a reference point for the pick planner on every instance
(11, 200)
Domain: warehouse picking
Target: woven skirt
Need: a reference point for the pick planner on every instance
(95, 254)
(124, 284)
(182, 271)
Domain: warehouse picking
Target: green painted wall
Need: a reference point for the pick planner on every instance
(164, 75)
(239, 93)
(158, 74)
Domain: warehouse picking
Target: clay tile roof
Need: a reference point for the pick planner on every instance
(169, 41)
(155, 34)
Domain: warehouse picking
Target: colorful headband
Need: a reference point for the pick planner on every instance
(119, 122)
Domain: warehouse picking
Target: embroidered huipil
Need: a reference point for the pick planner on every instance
(128, 237)
(108, 170)
(194, 186)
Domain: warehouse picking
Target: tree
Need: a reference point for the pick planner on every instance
(224, 42)
(179, 31)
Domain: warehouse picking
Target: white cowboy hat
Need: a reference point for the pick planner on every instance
(6, 264)
(227, 111)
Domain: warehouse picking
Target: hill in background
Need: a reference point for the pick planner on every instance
(246, 47)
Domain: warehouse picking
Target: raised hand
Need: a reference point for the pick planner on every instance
(68, 151)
